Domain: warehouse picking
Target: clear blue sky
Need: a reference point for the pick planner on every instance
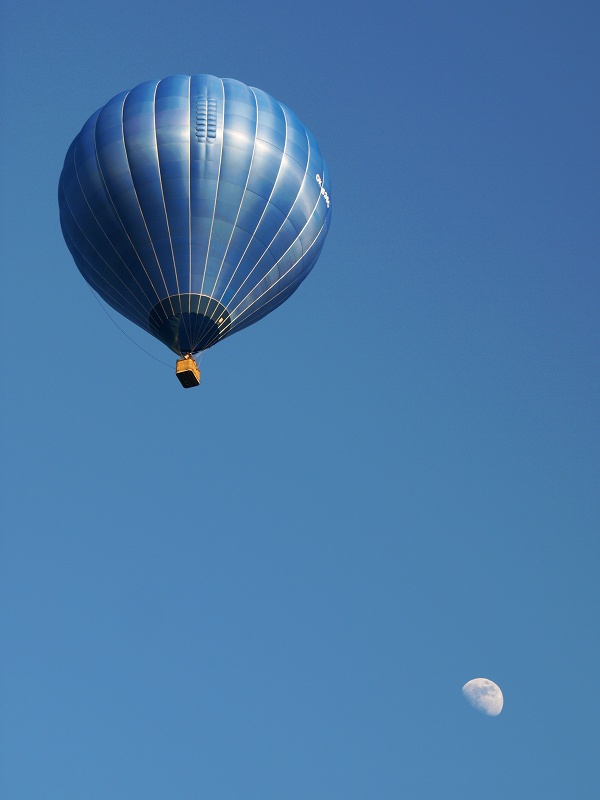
(275, 586)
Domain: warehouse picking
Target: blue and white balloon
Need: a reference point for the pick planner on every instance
(194, 206)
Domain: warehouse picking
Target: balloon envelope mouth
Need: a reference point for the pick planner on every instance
(189, 323)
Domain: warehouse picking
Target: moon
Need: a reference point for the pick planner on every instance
(484, 695)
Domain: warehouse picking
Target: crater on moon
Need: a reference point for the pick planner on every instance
(484, 695)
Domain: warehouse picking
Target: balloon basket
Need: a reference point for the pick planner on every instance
(188, 373)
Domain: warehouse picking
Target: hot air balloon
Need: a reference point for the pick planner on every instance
(194, 206)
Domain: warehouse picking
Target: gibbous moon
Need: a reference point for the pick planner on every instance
(484, 695)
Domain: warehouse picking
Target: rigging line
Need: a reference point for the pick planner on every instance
(131, 313)
(204, 325)
(125, 334)
(128, 309)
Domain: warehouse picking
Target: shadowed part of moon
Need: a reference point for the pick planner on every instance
(484, 695)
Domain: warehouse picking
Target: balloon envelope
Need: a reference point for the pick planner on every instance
(194, 206)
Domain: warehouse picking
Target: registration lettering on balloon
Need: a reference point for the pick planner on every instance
(323, 192)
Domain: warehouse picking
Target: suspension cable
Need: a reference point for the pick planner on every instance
(170, 366)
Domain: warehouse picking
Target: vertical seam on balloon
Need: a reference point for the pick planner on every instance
(289, 247)
(121, 308)
(240, 318)
(114, 291)
(66, 234)
(205, 317)
(83, 194)
(162, 192)
(104, 183)
(114, 207)
(189, 292)
(306, 252)
(266, 204)
(140, 205)
(279, 259)
(233, 326)
(279, 230)
(217, 187)
(237, 216)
